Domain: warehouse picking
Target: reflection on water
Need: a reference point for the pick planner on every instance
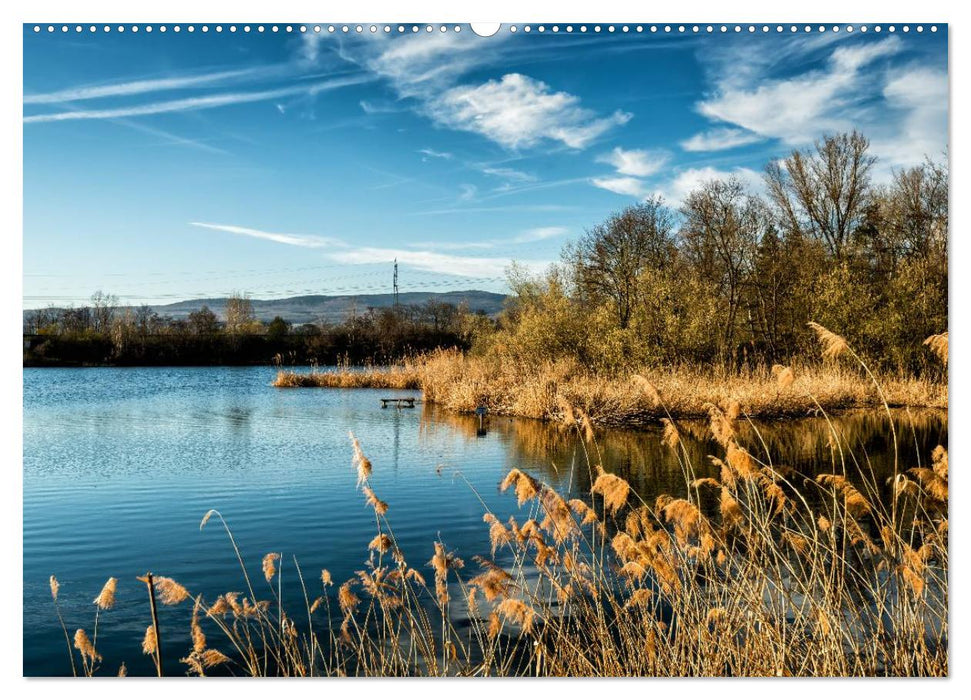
(121, 464)
(849, 442)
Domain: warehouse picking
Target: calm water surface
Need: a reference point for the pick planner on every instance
(120, 465)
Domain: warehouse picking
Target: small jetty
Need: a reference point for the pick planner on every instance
(398, 402)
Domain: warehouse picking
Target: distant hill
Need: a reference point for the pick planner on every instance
(333, 309)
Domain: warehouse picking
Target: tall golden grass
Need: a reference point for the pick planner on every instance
(757, 571)
(460, 382)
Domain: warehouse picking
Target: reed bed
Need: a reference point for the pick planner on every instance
(462, 383)
(758, 571)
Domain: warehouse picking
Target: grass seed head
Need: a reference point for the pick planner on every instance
(169, 591)
(106, 599)
(83, 644)
(938, 345)
(150, 641)
(833, 345)
(613, 489)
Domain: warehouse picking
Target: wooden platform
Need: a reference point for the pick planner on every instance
(399, 403)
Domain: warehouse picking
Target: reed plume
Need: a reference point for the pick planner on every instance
(381, 543)
(938, 346)
(150, 641)
(498, 534)
(647, 389)
(721, 425)
(83, 644)
(518, 612)
(106, 599)
(169, 591)
(527, 488)
(613, 489)
(198, 636)
(833, 345)
(494, 580)
(783, 376)
(855, 502)
(346, 598)
(360, 462)
(442, 562)
(670, 437)
(380, 507)
(269, 565)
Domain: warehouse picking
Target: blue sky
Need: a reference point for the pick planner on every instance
(168, 166)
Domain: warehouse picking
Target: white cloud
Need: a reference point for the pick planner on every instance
(920, 96)
(899, 100)
(426, 260)
(797, 109)
(639, 163)
(677, 189)
(629, 186)
(509, 174)
(432, 153)
(285, 238)
(719, 139)
(197, 103)
(467, 192)
(540, 234)
(138, 87)
(453, 245)
(515, 111)
(519, 112)
(417, 66)
(372, 107)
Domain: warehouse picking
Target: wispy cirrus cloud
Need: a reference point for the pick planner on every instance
(509, 174)
(427, 261)
(541, 233)
(302, 241)
(199, 103)
(531, 235)
(432, 153)
(140, 87)
(428, 258)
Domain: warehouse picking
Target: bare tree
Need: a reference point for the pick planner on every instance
(917, 216)
(722, 226)
(102, 308)
(203, 321)
(823, 192)
(609, 258)
(239, 313)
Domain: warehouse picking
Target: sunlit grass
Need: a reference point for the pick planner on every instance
(459, 382)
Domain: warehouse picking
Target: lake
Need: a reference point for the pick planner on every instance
(121, 464)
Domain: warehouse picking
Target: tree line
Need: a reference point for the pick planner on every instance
(105, 333)
(732, 276)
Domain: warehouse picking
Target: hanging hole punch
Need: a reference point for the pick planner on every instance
(485, 29)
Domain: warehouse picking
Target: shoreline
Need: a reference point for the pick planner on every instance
(462, 384)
